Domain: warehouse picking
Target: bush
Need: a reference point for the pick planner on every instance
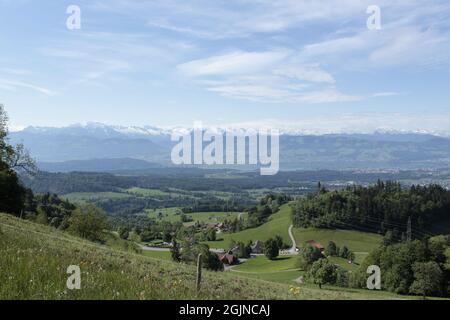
(124, 233)
(271, 249)
(88, 222)
(342, 278)
(308, 256)
(322, 272)
(428, 279)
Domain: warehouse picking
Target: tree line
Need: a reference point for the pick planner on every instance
(383, 207)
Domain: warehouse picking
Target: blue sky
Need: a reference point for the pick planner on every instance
(249, 61)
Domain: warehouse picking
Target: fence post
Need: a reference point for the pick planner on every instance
(199, 272)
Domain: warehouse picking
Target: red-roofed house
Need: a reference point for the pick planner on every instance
(228, 258)
(315, 244)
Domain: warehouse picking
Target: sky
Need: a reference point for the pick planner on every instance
(171, 62)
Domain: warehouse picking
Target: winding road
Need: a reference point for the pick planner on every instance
(293, 249)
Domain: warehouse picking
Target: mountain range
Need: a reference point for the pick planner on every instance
(100, 147)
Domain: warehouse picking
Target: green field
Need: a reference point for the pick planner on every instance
(170, 214)
(167, 214)
(278, 224)
(284, 277)
(282, 270)
(80, 197)
(262, 264)
(361, 243)
(343, 263)
(35, 260)
(152, 193)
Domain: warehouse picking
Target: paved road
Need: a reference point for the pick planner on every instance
(293, 249)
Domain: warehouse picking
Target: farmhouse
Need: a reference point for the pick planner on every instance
(315, 244)
(219, 227)
(228, 258)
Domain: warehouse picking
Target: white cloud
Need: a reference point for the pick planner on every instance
(12, 85)
(269, 76)
(238, 62)
(311, 73)
(385, 94)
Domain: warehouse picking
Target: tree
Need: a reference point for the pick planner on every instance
(211, 234)
(271, 249)
(308, 256)
(210, 260)
(88, 222)
(322, 272)
(351, 256)
(388, 238)
(428, 278)
(279, 241)
(342, 277)
(344, 252)
(12, 194)
(12, 159)
(332, 249)
(175, 251)
(124, 233)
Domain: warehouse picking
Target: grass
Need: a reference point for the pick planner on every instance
(278, 224)
(285, 277)
(343, 263)
(163, 255)
(80, 197)
(262, 264)
(359, 242)
(148, 192)
(34, 261)
(170, 214)
(214, 216)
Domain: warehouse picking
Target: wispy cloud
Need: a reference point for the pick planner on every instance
(269, 76)
(13, 85)
(237, 62)
(96, 57)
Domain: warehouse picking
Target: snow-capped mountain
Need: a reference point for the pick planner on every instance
(98, 129)
(298, 149)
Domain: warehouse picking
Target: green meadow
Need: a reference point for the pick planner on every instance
(35, 259)
(278, 224)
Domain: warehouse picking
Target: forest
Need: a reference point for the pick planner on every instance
(382, 207)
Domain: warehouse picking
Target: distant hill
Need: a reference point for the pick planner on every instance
(379, 150)
(98, 165)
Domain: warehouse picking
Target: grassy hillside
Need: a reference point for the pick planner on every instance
(262, 264)
(35, 259)
(278, 224)
(361, 243)
(170, 214)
